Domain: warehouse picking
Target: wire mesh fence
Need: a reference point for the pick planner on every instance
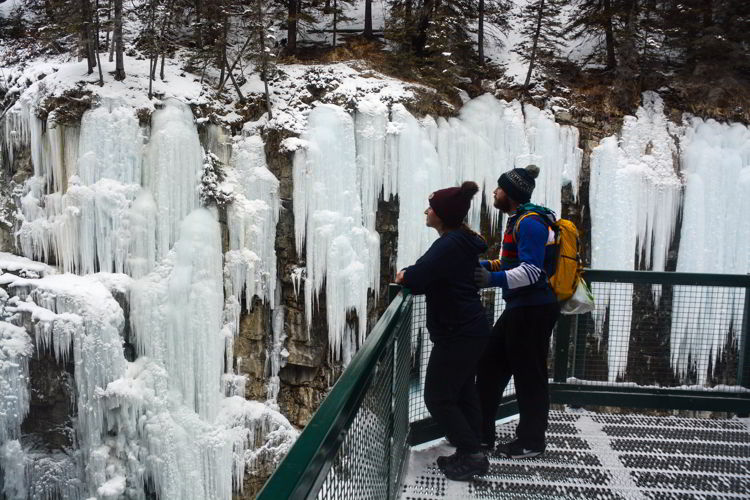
(660, 335)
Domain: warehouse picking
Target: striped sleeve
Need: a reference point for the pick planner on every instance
(524, 275)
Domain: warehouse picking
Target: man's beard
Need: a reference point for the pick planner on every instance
(503, 205)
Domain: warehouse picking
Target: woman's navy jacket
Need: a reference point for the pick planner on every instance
(445, 275)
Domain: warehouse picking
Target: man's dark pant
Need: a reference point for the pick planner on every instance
(518, 347)
(450, 392)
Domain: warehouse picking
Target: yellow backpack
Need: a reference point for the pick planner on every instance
(568, 266)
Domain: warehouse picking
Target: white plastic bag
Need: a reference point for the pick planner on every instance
(581, 302)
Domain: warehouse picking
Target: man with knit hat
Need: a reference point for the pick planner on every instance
(520, 338)
(458, 327)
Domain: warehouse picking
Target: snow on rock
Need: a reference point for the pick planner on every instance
(714, 239)
(329, 224)
(634, 198)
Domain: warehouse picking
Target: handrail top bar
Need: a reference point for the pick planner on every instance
(294, 477)
(667, 278)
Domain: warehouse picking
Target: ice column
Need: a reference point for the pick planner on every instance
(634, 200)
(15, 351)
(111, 144)
(172, 170)
(176, 314)
(329, 222)
(250, 264)
(714, 239)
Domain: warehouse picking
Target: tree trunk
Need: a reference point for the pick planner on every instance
(234, 64)
(609, 35)
(223, 49)
(198, 31)
(535, 43)
(335, 18)
(707, 13)
(119, 59)
(424, 21)
(109, 27)
(480, 33)
(234, 82)
(263, 56)
(87, 37)
(98, 61)
(291, 27)
(368, 19)
(163, 37)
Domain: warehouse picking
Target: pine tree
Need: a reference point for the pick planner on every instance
(263, 23)
(591, 18)
(542, 33)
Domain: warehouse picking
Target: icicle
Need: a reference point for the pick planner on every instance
(416, 166)
(340, 250)
(13, 464)
(715, 232)
(277, 353)
(370, 123)
(250, 264)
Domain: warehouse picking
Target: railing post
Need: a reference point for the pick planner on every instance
(743, 368)
(393, 289)
(562, 346)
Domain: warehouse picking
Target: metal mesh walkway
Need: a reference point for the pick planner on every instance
(604, 456)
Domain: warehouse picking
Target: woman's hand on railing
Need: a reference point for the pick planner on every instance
(400, 277)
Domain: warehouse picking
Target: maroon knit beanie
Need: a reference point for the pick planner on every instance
(452, 204)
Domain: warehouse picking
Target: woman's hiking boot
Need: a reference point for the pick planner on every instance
(464, 466)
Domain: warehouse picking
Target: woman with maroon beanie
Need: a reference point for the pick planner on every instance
(457, 324)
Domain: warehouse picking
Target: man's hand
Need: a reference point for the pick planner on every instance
(482, 277)
(400, 277)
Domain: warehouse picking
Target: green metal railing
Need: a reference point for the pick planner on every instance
(656, 340)
(356, 443)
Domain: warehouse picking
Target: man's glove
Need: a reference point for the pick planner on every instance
(482, 277)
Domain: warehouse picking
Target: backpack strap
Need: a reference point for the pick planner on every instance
(542, 218)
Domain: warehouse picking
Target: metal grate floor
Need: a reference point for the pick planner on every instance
(604, 456)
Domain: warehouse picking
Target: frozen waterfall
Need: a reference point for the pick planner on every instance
(108, 200)
(715, 238)
(634, 198)
(348, 161)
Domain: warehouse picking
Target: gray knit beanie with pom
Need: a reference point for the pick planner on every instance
(519, 183)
